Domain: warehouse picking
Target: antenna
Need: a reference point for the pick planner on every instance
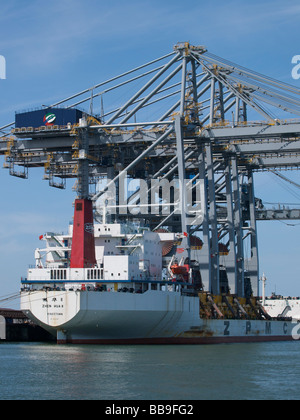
(263, 279)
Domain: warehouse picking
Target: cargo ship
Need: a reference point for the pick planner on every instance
(113, 283)
(282, 306)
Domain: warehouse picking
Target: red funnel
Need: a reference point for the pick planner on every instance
(83, 243)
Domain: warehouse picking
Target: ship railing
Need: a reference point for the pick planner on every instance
(133, 286)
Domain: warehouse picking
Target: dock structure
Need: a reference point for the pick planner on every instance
(189, 137)
(16, 327)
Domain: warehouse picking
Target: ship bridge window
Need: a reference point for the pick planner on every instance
(58, 274)
(94, 274)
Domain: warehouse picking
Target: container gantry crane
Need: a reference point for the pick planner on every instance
(191, 137)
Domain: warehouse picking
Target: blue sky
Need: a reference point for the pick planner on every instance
(54, 49)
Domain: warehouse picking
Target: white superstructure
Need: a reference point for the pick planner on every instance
(280, 306)
(122, 253)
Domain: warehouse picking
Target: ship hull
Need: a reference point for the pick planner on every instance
(154, 317)
(173, 340)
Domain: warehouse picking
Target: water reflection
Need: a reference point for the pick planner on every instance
(251, 371)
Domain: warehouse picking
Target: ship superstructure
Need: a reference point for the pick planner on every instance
(122, 253)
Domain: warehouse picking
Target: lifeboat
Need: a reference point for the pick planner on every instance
(180, 269)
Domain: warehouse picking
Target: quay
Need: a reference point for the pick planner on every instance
(16, 327)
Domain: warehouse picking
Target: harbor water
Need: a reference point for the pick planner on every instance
(264, 371)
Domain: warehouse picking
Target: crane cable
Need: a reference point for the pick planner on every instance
(286, 179)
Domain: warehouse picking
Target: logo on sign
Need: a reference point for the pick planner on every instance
(89, 228)
(49, 119)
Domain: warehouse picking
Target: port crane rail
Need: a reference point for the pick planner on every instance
(202, 119)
